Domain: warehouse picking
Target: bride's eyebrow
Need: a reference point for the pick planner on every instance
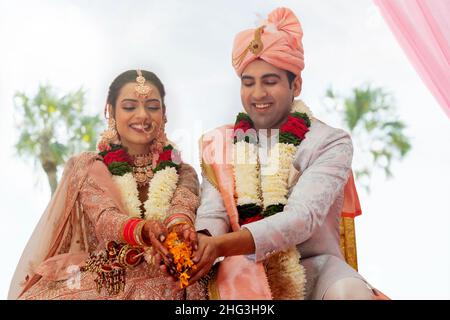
(152, 100)
(136, 101)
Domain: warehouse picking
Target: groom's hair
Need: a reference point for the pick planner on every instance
(291, 78)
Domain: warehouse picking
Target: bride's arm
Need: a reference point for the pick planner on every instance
(185, 200)
(102, 210)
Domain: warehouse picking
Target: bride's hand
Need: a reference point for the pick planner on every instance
(154, 233)
(186, 232)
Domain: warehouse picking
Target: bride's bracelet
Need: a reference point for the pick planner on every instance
(132, 232)
(176, 219)
(138, 233)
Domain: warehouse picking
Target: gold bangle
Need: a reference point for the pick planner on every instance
(177, 216)
(178, 221)
(138, 233)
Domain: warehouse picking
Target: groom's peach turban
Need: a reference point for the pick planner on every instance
(278, 41)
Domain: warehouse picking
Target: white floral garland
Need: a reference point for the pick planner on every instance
(275, 186)
(247, 169)
(285, 274)
(160, 193)
(246, 173)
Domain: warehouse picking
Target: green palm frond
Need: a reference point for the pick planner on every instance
(53, 126)
(370, 115)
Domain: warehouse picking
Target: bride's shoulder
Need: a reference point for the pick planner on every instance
(84, 156)
(81, 160)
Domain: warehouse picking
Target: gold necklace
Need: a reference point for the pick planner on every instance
(142, 169)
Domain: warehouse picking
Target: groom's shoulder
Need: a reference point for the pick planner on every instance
(322, 133)
(218, 130)
(215, 135)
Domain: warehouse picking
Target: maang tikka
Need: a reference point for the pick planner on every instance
(142, 90)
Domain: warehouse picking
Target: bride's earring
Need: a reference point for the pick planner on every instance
(158, 144)
(160, 139)
(110, 135)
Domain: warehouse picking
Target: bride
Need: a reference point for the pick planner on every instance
(113, 210)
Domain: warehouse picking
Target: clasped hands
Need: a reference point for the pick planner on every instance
(205, 249)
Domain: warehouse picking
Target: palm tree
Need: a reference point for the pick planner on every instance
(53, 127)
(370, 116)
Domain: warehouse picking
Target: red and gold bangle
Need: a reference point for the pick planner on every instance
(128, 231)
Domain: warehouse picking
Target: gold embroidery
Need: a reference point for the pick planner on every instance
(210, 281)
(255, 46)
(208, 173)
(110, 266)
(348, 241)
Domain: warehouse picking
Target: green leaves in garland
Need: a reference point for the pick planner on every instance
(117, 160)
(286, 137)
(114, 147)
(248, 210)
(244, 129)
(293, 131)
(170, 157)
(303, 116)
(271, 210)
(119, 168)
(244, 117)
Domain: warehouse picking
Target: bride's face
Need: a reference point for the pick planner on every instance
(138, 119)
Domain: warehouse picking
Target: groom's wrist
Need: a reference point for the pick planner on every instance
(205, 232)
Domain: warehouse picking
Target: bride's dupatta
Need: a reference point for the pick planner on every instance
(59, 240)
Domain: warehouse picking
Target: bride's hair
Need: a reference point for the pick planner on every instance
(130, 76)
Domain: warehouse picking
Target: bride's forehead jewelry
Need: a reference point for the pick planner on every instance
(142, 90)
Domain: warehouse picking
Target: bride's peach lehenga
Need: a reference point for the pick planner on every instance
(84, 214)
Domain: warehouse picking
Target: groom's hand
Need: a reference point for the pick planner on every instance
(204, 257)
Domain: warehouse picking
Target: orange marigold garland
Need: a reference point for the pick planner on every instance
(182, 254)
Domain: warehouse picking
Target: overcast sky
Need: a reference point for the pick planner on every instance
(403, 235)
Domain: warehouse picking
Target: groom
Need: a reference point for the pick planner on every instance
(263, 220)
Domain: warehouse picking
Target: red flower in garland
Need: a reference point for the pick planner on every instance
(295, 126)
(117, 156)
(251, 219)
(165, 156)
(170, 155)
(242, 125)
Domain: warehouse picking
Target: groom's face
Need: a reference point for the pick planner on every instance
(266, 94)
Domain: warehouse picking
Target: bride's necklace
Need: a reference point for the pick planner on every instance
(162, 180)
(142, 169)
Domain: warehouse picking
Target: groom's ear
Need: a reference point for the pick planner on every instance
(297, 84)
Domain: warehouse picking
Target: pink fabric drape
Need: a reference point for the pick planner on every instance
(422, 28)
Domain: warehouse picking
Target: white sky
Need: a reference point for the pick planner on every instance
(403, 235)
